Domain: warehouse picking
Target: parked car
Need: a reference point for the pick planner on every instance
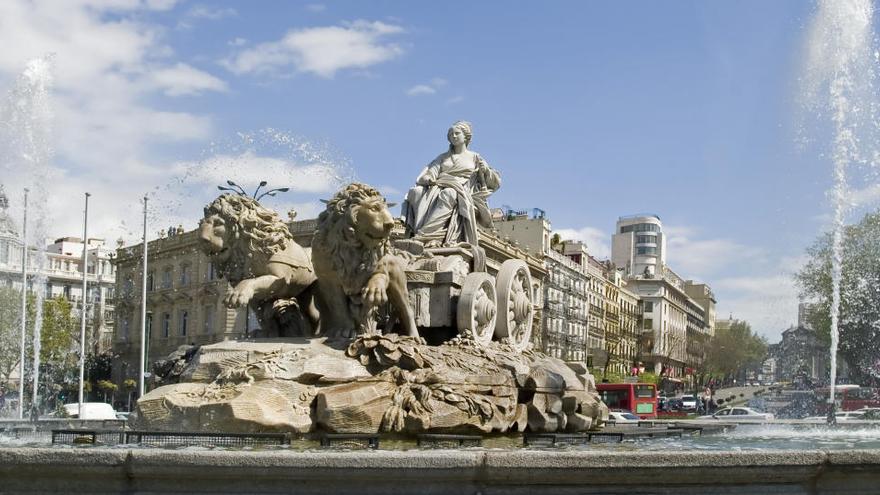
(91, 410)
(674, 404)
(688, 403)
(622, 417)
(861, 414)
(739, 414)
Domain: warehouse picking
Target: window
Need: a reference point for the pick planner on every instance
(649, 324)
(166, 278)
(149, 325)
(211, 275)
(209, 319)
(646, 250)
(151, 280)
(649, 306)
(182, 321)
(184, 275)
(4, 252)
(739, 412)
(640, 239)
(166, 324)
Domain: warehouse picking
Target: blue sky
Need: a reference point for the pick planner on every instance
(590, 111)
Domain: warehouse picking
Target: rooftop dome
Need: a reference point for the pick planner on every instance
(7, 225)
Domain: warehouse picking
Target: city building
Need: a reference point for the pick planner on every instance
(806, 311)
(61, 275)
(590, 314)
(184, 301)
(622, 323)
(801, 356)
(564, 326)
(638, 245)
(678, 316)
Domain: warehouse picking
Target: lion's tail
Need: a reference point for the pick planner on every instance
(306, 300)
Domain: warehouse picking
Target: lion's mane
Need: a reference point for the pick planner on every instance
(251, 228)
(336, 236)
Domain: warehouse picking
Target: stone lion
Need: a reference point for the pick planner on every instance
(252, 248)
(357, 271)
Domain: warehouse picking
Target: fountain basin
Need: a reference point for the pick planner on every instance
(101, 470)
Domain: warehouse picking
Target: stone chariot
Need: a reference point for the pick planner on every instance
(455, 287)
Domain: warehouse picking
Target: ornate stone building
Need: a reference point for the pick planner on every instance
(184, 301)
(590, 315)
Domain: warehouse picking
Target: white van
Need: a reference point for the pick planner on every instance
(91, 410)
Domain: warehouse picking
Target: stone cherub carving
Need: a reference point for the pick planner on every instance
(356, 269)
(253, 249)
(449, 199)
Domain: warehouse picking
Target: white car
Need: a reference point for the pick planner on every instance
(839, 416)
(91, 410)
(688, 403)
(739, 414)
(622, 417)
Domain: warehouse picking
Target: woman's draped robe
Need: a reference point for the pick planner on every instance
(448, 211)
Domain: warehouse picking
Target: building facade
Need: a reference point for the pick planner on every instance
(638, 245)
(184, 302)
(591, 316)
(56, 270)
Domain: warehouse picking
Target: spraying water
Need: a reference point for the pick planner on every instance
(840, 81)
(28, 118)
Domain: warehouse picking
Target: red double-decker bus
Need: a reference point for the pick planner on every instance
(847, 398)
(638, 398)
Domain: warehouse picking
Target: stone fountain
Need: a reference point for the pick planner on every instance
(346, 329)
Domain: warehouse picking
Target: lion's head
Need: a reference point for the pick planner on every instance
(237, 227)
(354, 228)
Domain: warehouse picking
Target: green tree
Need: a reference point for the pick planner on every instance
(59, 348)
(734, 351)
(108, 388)
(859, 322)
(10, 330)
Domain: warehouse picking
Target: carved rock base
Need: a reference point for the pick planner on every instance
(375, 383)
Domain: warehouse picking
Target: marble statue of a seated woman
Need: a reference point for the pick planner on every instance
(449, 199)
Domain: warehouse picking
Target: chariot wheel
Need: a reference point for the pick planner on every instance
(476, 307)
(514, 286)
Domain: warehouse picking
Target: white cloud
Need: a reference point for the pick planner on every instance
(109, 65)
(316, 7)
(768, 303)
(455, 99)
(185, 80)
(420, 89)
(204, 12)
(237, 42)
(322, 51)
(427, 89)
(701, 258)
(595, 239)
(213, 14)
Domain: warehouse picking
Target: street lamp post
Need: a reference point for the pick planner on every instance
(82, 331)
(23, 308)
(143, 349)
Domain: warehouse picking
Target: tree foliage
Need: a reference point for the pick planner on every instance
(10, 330)
(859, 322)
(735, 350)
(59, 340)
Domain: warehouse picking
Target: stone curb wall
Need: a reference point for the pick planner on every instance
(94, 470)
